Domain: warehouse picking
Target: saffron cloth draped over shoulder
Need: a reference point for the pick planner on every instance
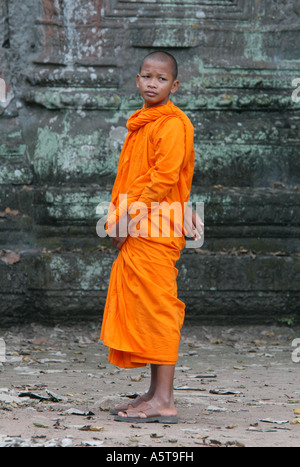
(143, 315)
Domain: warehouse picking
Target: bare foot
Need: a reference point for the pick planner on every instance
(137, 401)
(149, 409)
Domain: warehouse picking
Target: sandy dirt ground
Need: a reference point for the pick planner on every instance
(234, 386)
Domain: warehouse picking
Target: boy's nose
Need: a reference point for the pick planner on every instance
(152, 84)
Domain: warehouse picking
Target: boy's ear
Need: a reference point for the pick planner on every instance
(175, 86)
(137, 81)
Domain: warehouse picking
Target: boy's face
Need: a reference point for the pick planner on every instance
(156, 82)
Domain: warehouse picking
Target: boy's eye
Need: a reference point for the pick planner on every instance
(148, 77)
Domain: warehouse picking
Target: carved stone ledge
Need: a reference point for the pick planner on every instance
(97, 99)
(90, 77)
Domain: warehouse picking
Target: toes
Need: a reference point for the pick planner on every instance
(132, 414)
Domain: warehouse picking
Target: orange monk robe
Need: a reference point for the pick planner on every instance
(143, 315)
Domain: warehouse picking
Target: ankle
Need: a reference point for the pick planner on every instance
(164, 400)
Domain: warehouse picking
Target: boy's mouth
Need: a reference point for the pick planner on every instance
(151, 93)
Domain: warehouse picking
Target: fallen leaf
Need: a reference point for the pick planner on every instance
(130, 396)
(9, 257)
(134, 439)
(218, 340)
(56, 397)
(40, 425)
(278, 185)
(203, 376)
(238, 444)
(296, 421)
(270, 420)
(213, 408)
(73, 411)
(135, 378)
(91, 428)
(94, 443)
(223, 392)
(26, 359)
(280, 253)
(259, 342)
(215, 442)
(188, 388)
(42, 340)
(270, 334)
(32, 395)
(27, 188)
(97, 428)
(13, 212)
(297, 411)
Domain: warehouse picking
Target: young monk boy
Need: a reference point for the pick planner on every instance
(143, 316)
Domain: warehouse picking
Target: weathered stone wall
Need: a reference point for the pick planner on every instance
(69, 68)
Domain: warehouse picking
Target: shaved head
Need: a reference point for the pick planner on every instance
(164, 57)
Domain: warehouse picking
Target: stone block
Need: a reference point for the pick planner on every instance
(69, 69)
(71, 287)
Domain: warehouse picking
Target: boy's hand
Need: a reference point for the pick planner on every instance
(121, 232)
(193, 224)
(119, 241)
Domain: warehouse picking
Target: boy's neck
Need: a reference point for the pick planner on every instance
(154, 106)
